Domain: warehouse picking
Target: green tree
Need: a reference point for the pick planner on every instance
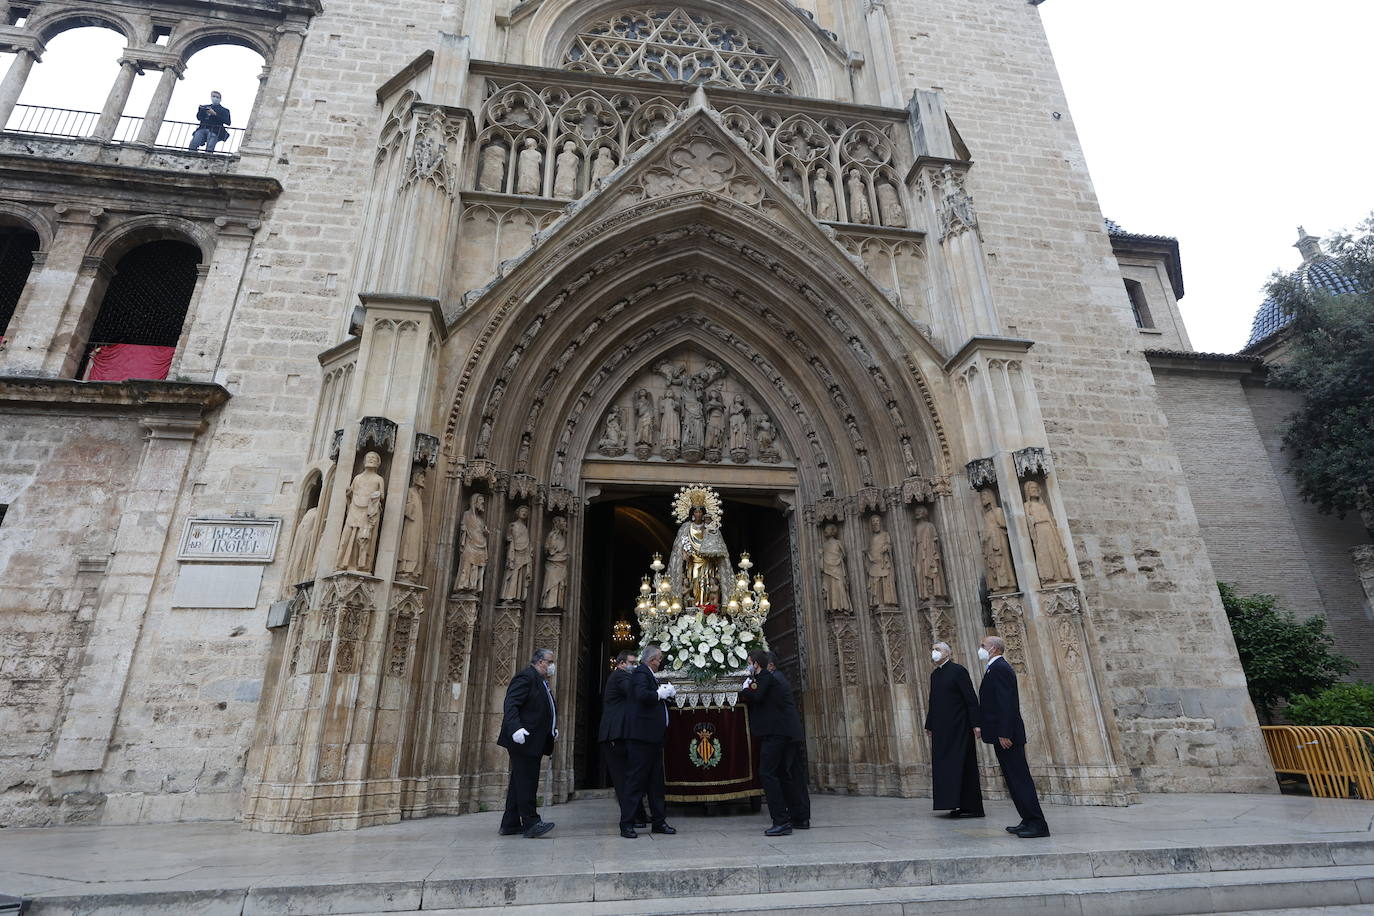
(1330, 359)
(1343, 704)
(1282, 656)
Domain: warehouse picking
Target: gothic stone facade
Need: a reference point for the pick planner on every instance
(478, 264)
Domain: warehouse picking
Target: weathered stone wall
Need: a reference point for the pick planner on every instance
(63, 478)
(1171, 674)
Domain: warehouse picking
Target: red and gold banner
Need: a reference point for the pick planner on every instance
(709, 755)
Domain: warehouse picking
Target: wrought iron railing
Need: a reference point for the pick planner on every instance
(65, 122)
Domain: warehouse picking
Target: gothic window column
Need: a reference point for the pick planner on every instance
(157, 108)
(108, 122)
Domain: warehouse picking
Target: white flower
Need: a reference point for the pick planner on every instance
(746, 636)
(718, 655)
(741, 653)
(677, 662)
(699, 661)
(727, 640)
(702, 647)
(712, 639)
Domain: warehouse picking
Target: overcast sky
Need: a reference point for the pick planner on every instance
(1223, 123)
(1226, 124)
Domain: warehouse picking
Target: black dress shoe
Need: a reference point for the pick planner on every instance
(664, 828)
(628, 833)
(1017, 829)
(539, 829)
(511, 831)
(801, 825)
(1030, 833)
(963, 813)
(779, 830)
(953, 812)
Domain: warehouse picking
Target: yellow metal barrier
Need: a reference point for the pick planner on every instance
(1334, 759)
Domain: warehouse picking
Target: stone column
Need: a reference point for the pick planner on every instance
(108, 122)
(212, 303)
(27, 52)
(39, 333)
(127, 592)
(348, 718)
(1041, 615)
(157, 108)
(885, 73)
(270, 104)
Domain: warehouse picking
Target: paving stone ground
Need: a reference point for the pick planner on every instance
(65, 861)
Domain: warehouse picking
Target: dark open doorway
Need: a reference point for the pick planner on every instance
(622, 533)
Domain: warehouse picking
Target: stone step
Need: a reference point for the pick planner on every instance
(1258, 890)
(1199, 879)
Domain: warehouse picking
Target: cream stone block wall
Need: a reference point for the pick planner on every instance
(1160, 632)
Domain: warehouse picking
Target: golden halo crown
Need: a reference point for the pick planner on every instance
(689, 498)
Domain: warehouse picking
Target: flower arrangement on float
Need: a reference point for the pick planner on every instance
(702, 639)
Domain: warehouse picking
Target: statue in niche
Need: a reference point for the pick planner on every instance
(301, 565)
(834, 577)
(555, 591)
(410, 559)
(516, 584)
(693, 422)
(766, 436)
(715, 424)
(890, 205)
(859, 211)
(930, 567)
(365, 494)
(739, 430)
(644, 423)
(529, 173)
(669, 424)
(825, 196)
(882, 584)
(603, 165)
(791, 183)
(1051, 559)
(493, 168)
(484, 437)
(1001, 574)
(565, 172)
(613, 434)
(472, 546)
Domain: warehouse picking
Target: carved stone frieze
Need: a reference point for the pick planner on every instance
(892, 624)
(377, 433)
(1008, 615)
(1064, 607)
(459, 618)
(981, 473)
(426, 450)
(1031, 461)
(917, 490)
(844, 636)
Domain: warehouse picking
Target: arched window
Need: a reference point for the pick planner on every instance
(678, 46)
(64, 93)
(141, 314)
(17, 245)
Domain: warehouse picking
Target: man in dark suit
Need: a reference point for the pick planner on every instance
(1003, 729)
(950, 722)
(646, 724)
(774, 721)
(611, 734)
(527, 734)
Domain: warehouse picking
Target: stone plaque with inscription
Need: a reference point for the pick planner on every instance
(230, 540)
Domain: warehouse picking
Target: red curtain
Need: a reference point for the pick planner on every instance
(117, 362)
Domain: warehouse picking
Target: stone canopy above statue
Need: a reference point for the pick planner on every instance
(686, 407)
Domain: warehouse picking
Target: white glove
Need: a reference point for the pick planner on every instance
(520, 735)
(665, 691)
(555, 733)
(672, 690)
(748, 682)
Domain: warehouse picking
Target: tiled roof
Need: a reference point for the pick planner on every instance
(1115, 231)
(1322, 274)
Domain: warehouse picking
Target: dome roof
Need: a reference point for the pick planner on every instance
(1318, 272)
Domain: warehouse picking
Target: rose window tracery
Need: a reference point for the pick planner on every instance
(676, 46)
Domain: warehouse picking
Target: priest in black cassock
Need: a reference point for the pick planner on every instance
(951, 722)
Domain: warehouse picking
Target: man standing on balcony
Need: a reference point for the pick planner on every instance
(214, 125)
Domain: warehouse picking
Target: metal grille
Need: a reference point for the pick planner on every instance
(16, 258)
(147, 298)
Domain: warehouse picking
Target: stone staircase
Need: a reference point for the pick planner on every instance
(1302, 876)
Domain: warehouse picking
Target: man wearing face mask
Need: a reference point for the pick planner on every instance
(612, 733)
(527, 734)
(951, 722)
(773, 720)
(1000, 706)
(646, 724)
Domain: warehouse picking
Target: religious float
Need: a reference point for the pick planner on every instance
(706, 617)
